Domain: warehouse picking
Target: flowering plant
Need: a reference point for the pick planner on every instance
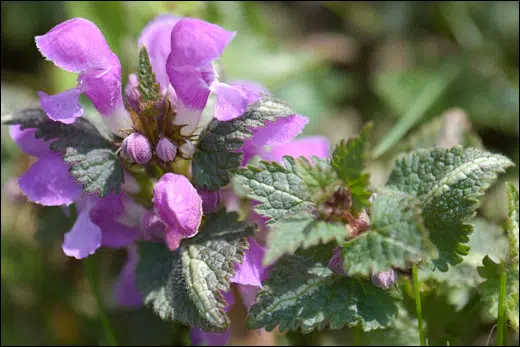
(318, 248)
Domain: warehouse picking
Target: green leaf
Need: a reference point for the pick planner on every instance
(486, 239)
(348, 159)
(490, 290)
(187, 285)
(396, 237)
(291, 233)
(93, 159)
(318, 176)
(402, 332)
(279, 189)
(447, 182)
(219, 148)
(301, 295)
(148, 87)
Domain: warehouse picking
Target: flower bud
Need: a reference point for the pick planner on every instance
(187, 149)
(166, 150)
(152, 227)
(385, 279)
(336, 262)
(210, 200)
(137, 148)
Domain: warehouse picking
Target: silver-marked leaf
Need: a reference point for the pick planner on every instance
(319, 177)
(301, 295)
(218, 150)
(187, 285)
(396, 237)
(93, 158)
(278, 188)
(447, 183)
(303, 231)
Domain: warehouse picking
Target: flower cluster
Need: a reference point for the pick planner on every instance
(181, 52)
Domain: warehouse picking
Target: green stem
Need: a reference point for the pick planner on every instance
(418, 308)
(357, 336)
(91, 273)
(501, 328)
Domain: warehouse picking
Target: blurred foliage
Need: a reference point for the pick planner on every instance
(339, 63)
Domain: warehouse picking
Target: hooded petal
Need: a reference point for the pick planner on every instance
(191, 86)
(63, 107)
(177, 203)
(27, 142)
(281, 131)
(309, 146)
(83, 239)
(197, 43)
(231, 101)
(49, 183)
(251, 270)
(253, 90)
(126, 291)
(103, 87)
(156, 37)
(77, 45)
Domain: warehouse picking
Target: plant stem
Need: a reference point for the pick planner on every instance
(501, 328)
(418, 307)
(357, 336)
(90, 269)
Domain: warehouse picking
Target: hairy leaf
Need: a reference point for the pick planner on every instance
(278, 188)
(487, 239)
(301, 295)
(291, 233)
(219, 148)
(318, 176)
(93, 160)
(396, 237)
(348, 159)
(187, 285)
(447, 183)
(148, 87)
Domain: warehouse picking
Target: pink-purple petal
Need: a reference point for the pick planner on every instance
(197, 43)
(48, 182)
(63, 107)
(156, 37)
(231, 101)
(254, 89)
(281, 131)
(27, 142)
(117, 235)
(83, 239)
(76, 45)
(251, 270)
(177, 203)
(309, 146)
(200, 337)
(103, 87)
(126, 291)
(248, 295)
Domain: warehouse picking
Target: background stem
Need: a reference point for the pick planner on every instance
(501, 328)
(91, 272)
(418, 308)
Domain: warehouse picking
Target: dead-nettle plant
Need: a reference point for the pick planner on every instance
(315, 248)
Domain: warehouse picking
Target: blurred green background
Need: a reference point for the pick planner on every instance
(408, 66)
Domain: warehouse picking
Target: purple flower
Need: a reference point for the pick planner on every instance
(47, 182)
(200, 337)
(194, 45)
(112, 221)
(166, 150)
(210, 200)
(336, 262)
(308, 146)
(385, 279)
(179, 206)
(137, 148)
(77, 45)
(125, 290)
